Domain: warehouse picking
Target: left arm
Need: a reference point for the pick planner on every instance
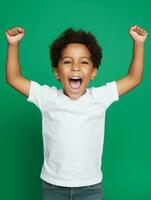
(135, 72)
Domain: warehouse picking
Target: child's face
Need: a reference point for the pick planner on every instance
(75, 61)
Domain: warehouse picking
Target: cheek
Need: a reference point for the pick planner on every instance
(65, 69)
(64, 73)
(87, 72)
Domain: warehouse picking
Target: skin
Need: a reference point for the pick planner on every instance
(134, 76)
(135, 71)
(75, 60)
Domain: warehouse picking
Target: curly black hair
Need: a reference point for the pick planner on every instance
(72, 36)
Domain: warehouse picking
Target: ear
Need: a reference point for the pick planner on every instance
(94, 72)
(56, 72)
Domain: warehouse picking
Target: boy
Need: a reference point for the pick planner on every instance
(73, 117)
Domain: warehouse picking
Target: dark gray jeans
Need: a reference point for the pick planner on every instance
(55, 192)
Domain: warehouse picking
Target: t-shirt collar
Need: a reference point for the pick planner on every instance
(80, 99)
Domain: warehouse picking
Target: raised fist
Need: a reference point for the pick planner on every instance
(138, 34)
(14, 35)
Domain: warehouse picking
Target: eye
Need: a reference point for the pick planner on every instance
(84, 62)
(66, 62)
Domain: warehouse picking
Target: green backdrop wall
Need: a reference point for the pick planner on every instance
(126, 157)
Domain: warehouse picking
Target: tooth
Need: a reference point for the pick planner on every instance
(76, 77)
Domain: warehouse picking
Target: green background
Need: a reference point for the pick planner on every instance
(126, 157)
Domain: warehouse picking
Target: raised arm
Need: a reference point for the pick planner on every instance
(13, 70)
(135, 72)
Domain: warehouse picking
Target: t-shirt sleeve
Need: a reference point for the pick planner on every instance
(38, 94)
(111, 93)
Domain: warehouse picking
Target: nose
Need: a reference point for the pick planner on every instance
(75, 67)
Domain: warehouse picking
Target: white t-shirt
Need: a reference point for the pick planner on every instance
(73, 132)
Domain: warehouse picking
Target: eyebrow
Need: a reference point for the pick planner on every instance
(71, 57)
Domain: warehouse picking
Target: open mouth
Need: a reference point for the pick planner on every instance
(75, 83)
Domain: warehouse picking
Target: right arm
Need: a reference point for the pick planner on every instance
(13, 70)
